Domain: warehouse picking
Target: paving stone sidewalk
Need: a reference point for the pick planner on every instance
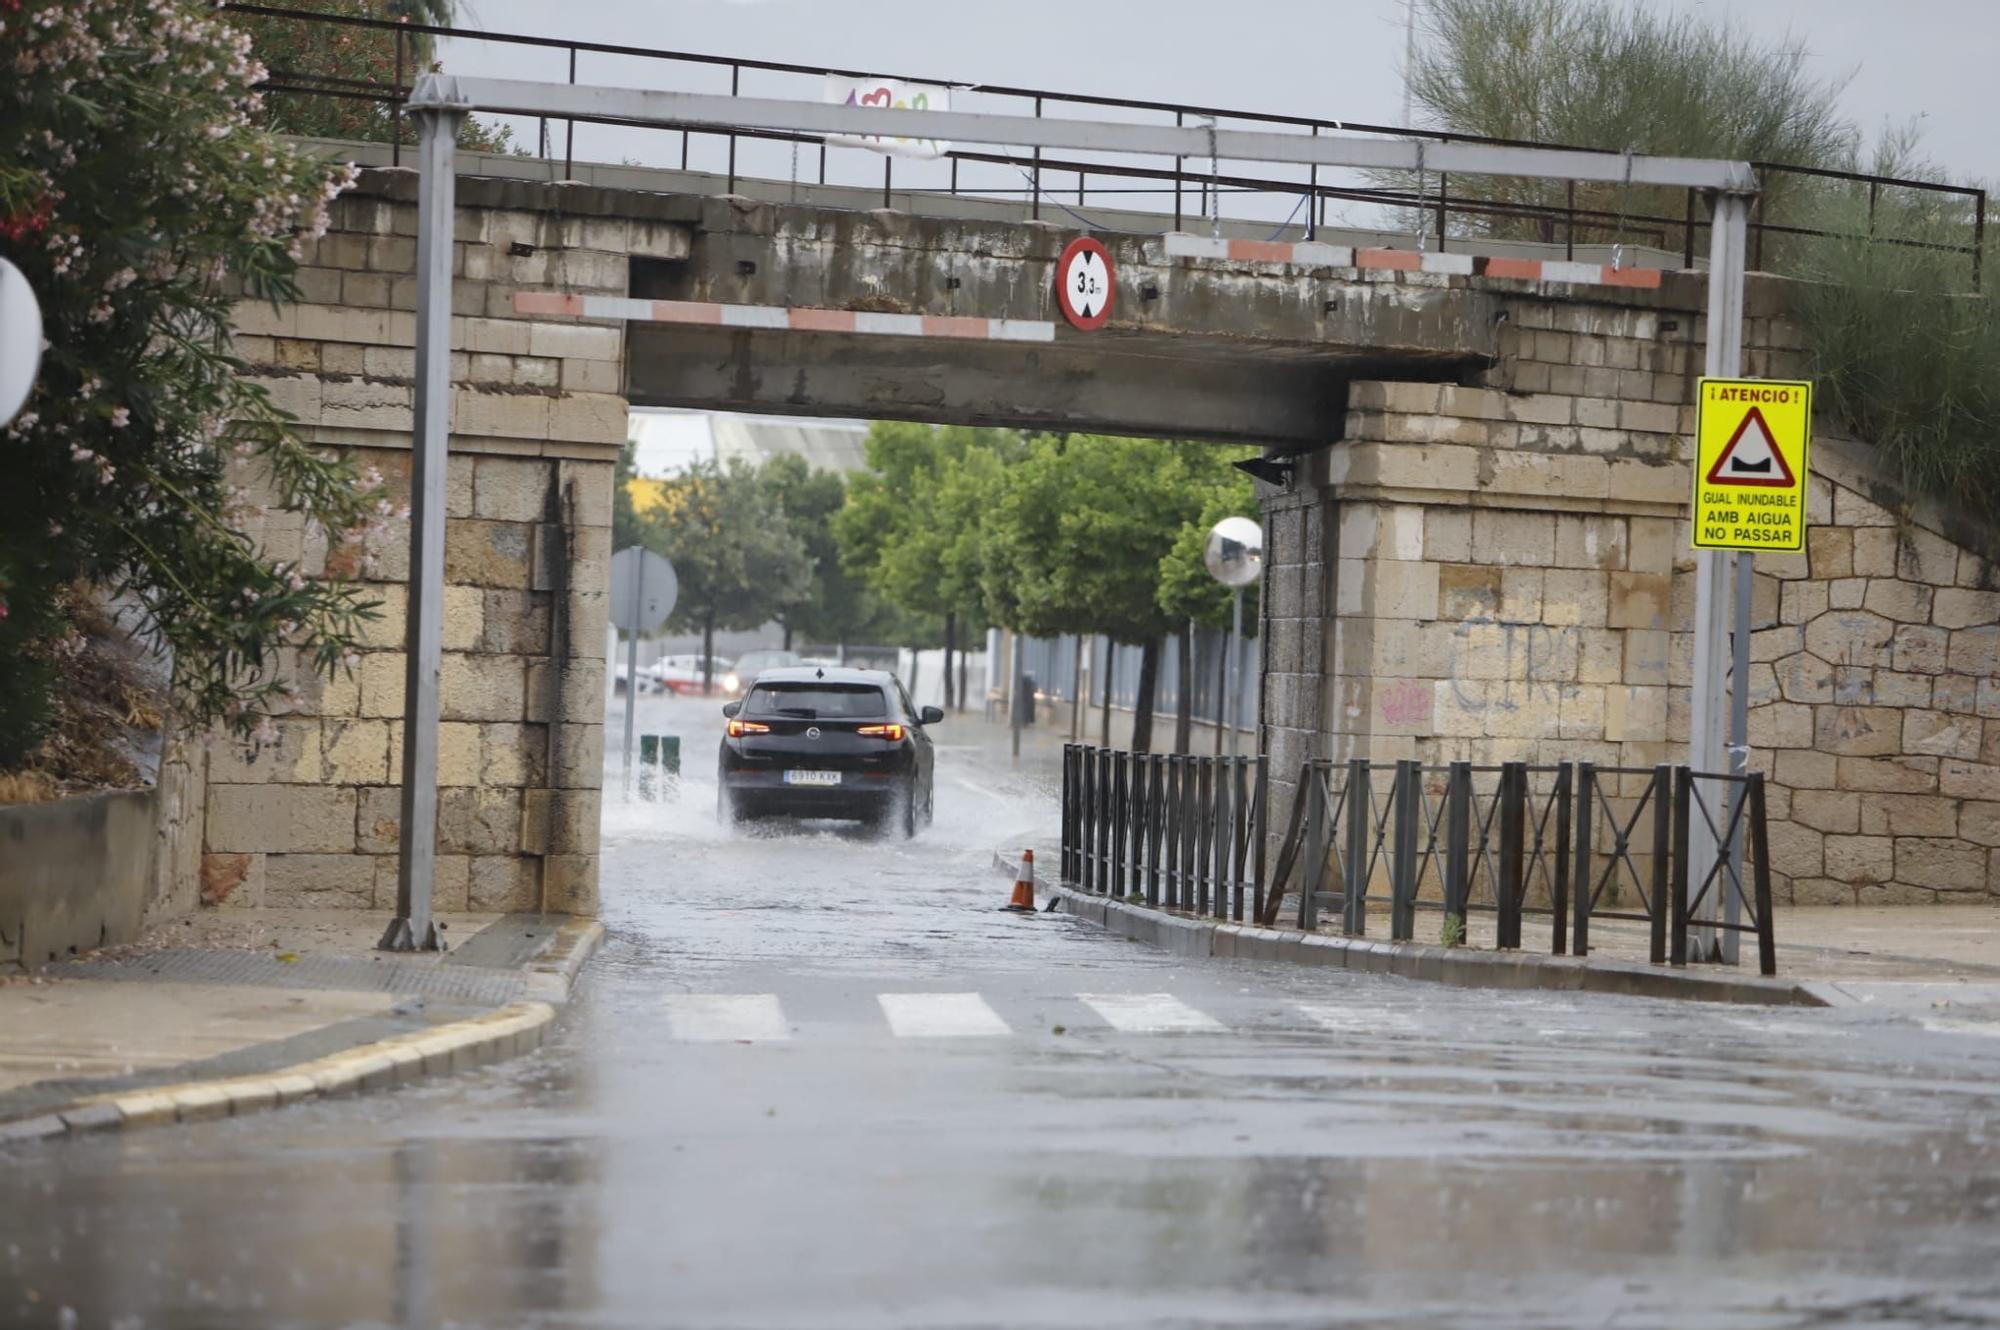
(226, 1012)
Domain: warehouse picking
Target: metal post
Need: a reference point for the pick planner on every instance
(1707, 714)
(1232, 699)
(1677, 929)
(1014, 692)
(1319, 815)
(1510, 881)
(1663, 856)
(396, 108)
(1739, 737)
(1559, 887)
(1035, 202)
(1156, 823)
(1179, 121)
(735, 82)
(1360, 802)
(1458, 843)
(1585, 875)
(1312, 196)
(1767, 937)
(1068, 868)
(413, 928)
(569, 134)
(1403, 868)
(632, 669)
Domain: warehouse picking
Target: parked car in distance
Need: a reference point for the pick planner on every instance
(620, 681)
(684, 674)
(753, 663)
(823, 741)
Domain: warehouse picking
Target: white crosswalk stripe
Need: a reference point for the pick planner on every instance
(1147, 1013)
(707, 1018)
(1355, 1020)
(940, 1016)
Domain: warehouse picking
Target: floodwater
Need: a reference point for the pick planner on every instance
(743, 1120)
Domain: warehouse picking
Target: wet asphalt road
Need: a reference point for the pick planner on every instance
(1315, 1149)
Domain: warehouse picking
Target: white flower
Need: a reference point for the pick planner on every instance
(121, 417)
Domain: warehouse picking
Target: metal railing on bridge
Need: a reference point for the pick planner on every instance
(1563, 843)
(1428, 207)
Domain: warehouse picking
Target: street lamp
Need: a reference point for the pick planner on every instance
(1235, 558)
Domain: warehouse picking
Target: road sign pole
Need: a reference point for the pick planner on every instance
(1739, 742)
(413, 928)
(1232, 672)
(632, 671)
(1707, 718)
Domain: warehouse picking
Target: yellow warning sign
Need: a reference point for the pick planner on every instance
(1752, 438)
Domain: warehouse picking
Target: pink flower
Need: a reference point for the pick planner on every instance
(121, 417)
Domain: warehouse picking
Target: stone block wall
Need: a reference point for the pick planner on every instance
(537, 419)
(1505, 574)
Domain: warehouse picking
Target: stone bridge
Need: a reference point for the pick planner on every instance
(1482, 555)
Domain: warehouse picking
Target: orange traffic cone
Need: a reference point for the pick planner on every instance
(1024, 885)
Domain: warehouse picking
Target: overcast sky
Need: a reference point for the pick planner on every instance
(1330, 58)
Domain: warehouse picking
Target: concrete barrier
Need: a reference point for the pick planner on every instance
(74, 874)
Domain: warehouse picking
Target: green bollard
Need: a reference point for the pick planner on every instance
(659, 764)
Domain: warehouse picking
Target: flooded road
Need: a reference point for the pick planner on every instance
(746, 1119)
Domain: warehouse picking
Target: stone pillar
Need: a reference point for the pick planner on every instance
(537, 420)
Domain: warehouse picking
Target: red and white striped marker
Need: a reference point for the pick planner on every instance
(1311, 253)
(781, 317)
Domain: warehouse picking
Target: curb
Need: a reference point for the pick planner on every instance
(458, 1046)
(476, 1041)
(1458, 966)
(554, 971)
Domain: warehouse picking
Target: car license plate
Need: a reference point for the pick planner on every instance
(812, 778)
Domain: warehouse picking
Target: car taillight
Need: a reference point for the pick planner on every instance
(739, 728)
(893, 733)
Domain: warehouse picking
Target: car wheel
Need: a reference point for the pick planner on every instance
(726, 810)
(906, 814)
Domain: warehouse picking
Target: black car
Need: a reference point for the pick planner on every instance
(826, 741)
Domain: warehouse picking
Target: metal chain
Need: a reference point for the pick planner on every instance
(795, 170)
(1618, 230)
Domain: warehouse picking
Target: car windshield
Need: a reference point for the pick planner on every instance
(816, 701)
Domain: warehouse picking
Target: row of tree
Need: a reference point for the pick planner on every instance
(951, 530)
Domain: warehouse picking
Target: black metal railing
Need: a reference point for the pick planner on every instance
(1562, 842)
(1429, 201)
(1177, 830)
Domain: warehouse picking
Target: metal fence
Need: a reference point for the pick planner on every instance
(1182, 831)
(1428, 205)
(1563, 844)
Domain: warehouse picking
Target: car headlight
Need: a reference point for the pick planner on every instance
(731, 683)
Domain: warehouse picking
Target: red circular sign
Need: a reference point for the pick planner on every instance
(1084, 283)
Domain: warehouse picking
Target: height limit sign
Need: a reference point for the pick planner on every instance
(1753, 436)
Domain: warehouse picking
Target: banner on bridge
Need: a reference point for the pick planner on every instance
(889, 94)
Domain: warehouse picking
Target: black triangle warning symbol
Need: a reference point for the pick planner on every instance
(1752, 457)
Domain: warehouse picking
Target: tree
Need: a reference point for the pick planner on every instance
(913, 523)
(302, 54)
(1076, 536)
(1187, 592)
(738, 562)
(137, 193)
(625, 529)
(840, 606)
(1629, 78)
